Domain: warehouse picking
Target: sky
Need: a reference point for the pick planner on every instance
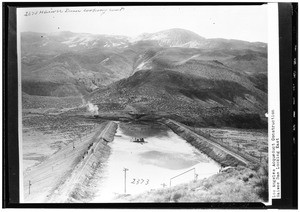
(248, 23)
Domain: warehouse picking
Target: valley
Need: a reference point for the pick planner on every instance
(198, 103)
(76, 164)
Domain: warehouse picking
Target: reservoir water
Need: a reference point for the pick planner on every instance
(150, 165)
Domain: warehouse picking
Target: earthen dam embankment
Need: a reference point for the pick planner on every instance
(223, 155)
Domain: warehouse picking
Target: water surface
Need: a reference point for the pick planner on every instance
(152, 164)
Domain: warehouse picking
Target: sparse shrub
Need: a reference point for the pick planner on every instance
(245, 179)
(207, 185)
(263, 170)
(249, 197)
(157, 200)
(166, 199)
(160, 192)
(261, 184)
(262, 188)
(176, 197)
(79, 194)
(240, 168)
(251, 175)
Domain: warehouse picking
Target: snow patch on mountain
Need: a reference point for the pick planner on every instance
(173, 38)
(143, 66)
(79, 41)
(104, 61)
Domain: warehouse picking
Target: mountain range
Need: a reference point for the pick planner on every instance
(175, 71)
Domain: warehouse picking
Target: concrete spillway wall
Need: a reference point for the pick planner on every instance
(110, 133)
(98, 154)
(218, 153)
(77, 188)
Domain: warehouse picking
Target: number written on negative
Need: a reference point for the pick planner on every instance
(140, 181)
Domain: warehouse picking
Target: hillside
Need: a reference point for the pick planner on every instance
(238, 184)
(40, 102)
(80, 72)
(190, 98)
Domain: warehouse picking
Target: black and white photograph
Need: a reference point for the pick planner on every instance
(145, 104)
